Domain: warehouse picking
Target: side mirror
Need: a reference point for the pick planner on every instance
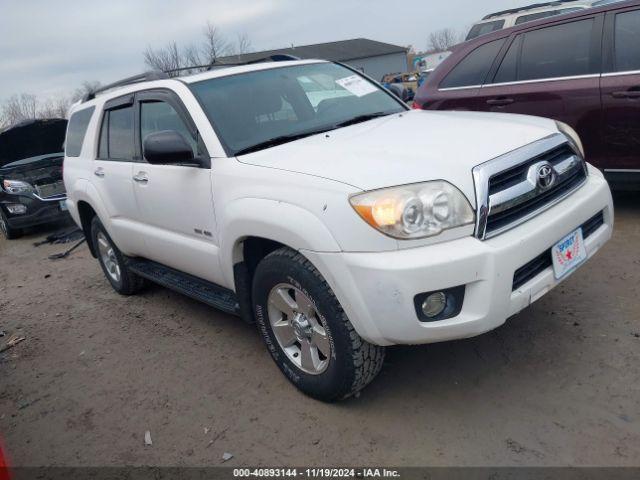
(167, 147)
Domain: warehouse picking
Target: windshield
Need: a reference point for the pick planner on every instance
(249, 110)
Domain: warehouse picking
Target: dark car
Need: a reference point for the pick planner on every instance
(31, 187)
(582, 68)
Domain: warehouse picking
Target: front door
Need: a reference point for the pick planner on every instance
(620, 86)
(175, 202)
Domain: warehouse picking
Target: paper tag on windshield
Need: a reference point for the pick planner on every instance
(356, 85)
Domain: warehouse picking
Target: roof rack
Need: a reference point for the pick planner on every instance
(528, 7)
(163, 75)
(143, 77)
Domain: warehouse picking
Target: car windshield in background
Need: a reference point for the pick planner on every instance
(255, 110)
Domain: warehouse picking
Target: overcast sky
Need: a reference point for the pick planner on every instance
(49, 47)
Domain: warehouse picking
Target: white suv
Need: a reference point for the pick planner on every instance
(303, 196)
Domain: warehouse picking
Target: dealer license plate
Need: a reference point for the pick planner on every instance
(568, 253)
(63, 205)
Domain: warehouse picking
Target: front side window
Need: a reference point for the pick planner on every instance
(258, 109)
(627, 41)
(484, 28)
(76, 131)
(473, 69)
(156, 116)
(558, 51)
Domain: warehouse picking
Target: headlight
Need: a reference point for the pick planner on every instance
(414, 211)
(571, 134)
(16, 186)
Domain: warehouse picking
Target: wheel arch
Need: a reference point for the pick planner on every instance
(257, 227)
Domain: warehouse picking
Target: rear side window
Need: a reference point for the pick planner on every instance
(473, 69)
(76, 131)
(484, 28)
(116, 134)
(627, 41)
(558, 51)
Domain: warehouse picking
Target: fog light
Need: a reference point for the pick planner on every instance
(17, 209)
(434, 304)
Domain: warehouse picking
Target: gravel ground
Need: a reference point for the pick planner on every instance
(559, 384)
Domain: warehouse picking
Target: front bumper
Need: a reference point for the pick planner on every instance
(377, 290)
(38, 211)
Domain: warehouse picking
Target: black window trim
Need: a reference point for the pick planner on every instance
(596, 51)
(168, 96)
(608, 43)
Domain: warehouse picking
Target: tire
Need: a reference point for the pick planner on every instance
(342, 363)
(7, 231)
(113, 262)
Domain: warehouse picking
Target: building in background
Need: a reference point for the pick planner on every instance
(369, 56)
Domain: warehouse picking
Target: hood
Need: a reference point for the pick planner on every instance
(32, 138)
(409, 147)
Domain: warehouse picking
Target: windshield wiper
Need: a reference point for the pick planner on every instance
(362, 118)
(279, 140)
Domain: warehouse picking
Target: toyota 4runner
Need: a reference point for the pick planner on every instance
(303, 196)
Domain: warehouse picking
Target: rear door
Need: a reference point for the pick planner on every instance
(552, 71)
(621, 94)
(175, 202)
(112, 170)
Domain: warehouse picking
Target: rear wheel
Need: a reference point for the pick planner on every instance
(306, 330)
(113, 262)
(7, 231)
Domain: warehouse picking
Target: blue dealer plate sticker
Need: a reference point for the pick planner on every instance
(568, 253)
(63, 205)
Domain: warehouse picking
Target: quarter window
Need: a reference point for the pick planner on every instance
(627, 41)
(76, 131)
(473, 69)
(484, 28)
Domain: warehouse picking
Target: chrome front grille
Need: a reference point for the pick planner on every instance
(519, 185)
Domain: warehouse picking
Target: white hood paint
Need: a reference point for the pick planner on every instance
(410, 147)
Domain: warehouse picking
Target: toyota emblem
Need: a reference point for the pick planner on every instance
(546, 176)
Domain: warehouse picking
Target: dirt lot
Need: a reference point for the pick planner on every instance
(559, 384)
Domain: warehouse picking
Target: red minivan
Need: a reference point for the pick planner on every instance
(581, 68)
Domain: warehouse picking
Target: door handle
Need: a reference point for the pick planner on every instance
(141, 177)
(626, 94)
(99, 172)
(499, 102)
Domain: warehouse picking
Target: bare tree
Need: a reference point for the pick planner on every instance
(443, 40)
(85, 88)
(17, 109)
(243, 44)
(55, 107)
(166, 58)
(215, 45)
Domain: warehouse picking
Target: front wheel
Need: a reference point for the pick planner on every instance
(7, 231)
(306, 330)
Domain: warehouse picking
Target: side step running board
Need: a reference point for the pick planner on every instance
(196, 288)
